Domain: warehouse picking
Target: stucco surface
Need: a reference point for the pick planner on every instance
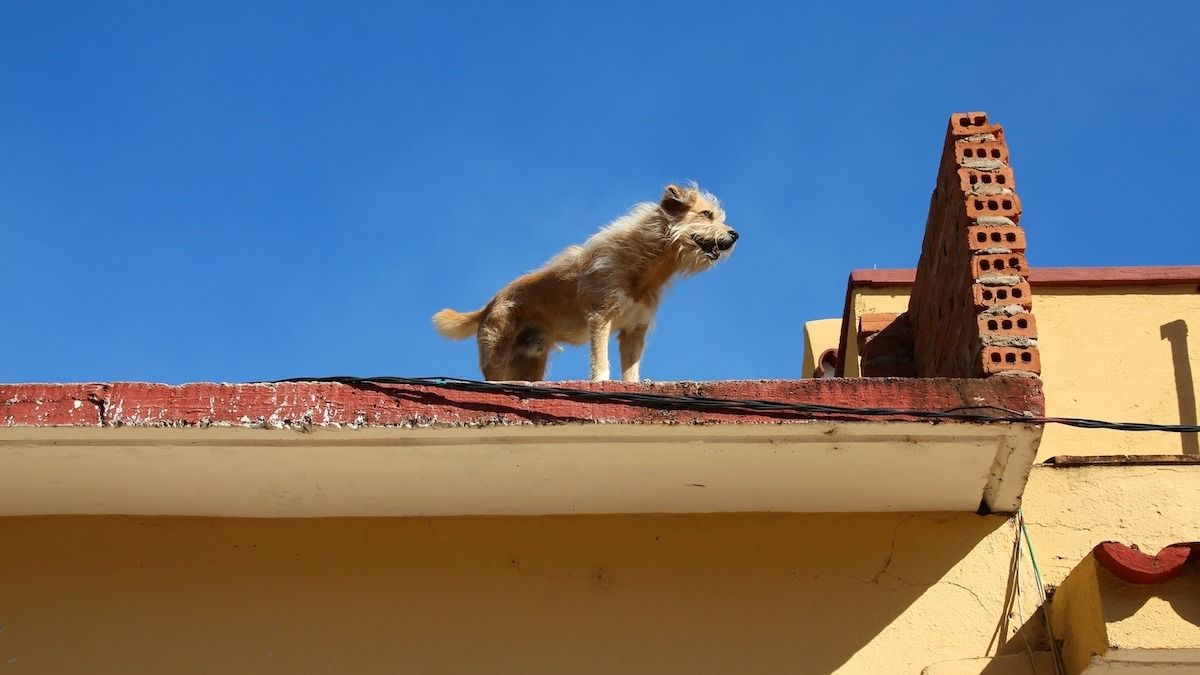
(1119, 353)
(603, 594)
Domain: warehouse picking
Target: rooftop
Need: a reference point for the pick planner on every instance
(330, 449)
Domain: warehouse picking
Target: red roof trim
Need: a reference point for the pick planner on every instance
(1055, 276)
(300, 404)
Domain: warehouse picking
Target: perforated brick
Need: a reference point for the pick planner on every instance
(977, 181)
(968, 152)
(982, 237)
(999, 264)
(998, 296)
(1008, 206)
(1000, 359)
(1021, 325)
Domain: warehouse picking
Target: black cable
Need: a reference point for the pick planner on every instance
(733, 406)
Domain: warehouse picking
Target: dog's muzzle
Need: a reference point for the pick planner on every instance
(712, 248)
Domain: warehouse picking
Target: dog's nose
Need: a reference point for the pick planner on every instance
(725, 243)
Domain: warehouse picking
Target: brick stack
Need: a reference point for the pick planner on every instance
(971, 306)
(885, 345)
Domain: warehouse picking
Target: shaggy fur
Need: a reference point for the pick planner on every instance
(613, 282)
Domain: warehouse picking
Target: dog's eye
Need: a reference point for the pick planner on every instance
(707, 214)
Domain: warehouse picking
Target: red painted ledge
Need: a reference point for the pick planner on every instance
(301, 404)
(1129, 564)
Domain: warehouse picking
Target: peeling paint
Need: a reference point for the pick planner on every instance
(276, 406)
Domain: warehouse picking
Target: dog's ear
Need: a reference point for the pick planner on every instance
(676, 200)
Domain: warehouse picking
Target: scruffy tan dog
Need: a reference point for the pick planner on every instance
(613, 282)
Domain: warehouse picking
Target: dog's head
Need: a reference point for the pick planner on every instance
(696, 222)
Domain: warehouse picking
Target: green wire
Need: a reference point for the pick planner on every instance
(1037, 573)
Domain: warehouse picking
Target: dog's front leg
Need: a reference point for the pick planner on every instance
(600, 328)
(632, 342)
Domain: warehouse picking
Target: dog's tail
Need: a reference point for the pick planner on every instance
(457, 325)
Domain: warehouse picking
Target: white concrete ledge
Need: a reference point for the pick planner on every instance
(559, 469)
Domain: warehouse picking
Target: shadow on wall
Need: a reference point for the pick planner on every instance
(1181, 594)
(654, 593)
(1176, 332)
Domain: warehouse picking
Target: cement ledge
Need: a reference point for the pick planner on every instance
(318, 449)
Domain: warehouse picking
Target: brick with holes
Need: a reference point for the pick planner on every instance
(990, 264)
(972, 124)
(977, 181)
(1008, 206)
(995, 359)
(987, 295)
(968, 152)
(1020, 324)
(983, 237)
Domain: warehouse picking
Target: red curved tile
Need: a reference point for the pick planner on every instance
(1129, 564)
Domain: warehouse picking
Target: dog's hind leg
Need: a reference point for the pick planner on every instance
(632, 341)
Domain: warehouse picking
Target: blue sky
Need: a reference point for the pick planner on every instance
(246, 191)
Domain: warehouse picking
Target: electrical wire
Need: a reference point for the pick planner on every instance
(969, 413)
(1022, 531)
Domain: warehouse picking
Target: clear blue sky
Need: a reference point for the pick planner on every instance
(242, 191)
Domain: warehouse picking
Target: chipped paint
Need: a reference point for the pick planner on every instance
(300, 405)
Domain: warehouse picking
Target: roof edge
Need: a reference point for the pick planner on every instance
(304, 404)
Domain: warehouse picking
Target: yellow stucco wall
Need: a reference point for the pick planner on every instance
(647, 594)
(867, 593)
(819, 335)
(1117, 353)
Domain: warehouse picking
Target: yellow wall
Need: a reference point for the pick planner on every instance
(867, 593)
(1122, 354)
(819, 336)
(1118, 354)
(579, 594)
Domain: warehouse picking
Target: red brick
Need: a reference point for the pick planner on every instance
(889, 368)
(999, 263)
(869, 324)
(1017, 325)
(973, 202)
(969, 179)
(971, 124)
(1008, 206)
(1000, 359)
(992, 296)
(991, 150)
(981, 237)
(883, 344)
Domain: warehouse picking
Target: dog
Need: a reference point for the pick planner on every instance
(613, 282)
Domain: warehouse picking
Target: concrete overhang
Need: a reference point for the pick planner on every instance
(322, 449)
